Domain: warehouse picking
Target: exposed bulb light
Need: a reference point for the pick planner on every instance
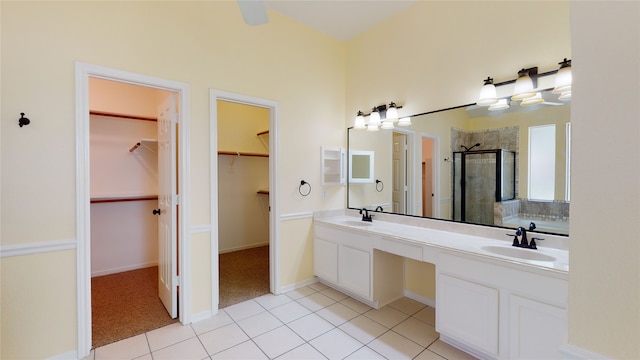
(405, 121)
(359, 123)
(500, 105)
(374, 118)
(392, 112)
(487, 93)
(523, 88)
(534, 100)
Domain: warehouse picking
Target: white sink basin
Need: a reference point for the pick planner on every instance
(526, 254)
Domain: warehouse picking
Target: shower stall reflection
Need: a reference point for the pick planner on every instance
(482, 178)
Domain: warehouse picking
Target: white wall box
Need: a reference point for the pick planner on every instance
(333, 169)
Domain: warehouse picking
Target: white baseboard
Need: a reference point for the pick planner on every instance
(123, 269)
(71, 355)
(245, 247)
(297, 285)
(572, 352)
(420, 298)
(202, 316)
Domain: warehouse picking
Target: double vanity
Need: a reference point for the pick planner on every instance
(493, 300)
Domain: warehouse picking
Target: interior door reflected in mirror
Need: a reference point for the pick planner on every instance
(428, 188)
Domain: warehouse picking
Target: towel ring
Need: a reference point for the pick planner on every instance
(379, 185)
(303, 183)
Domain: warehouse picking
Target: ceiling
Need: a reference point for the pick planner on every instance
(342, 19)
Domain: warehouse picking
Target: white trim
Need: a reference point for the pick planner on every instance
(123, 269)
(435, 181)
(410, 170)
(299, 285)
(574, 352)
(37, 248)
(274, 215)
(71, 355)
(83, 72)
(295, 216)
(419, 298)
(203, 315)
(200, 229)
(245, 247)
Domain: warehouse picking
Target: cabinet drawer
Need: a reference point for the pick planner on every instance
(355, 239)
(400, 248)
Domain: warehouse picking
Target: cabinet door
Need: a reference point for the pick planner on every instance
(355, 270)
(468, 312)
(536, 330)
(325, 260)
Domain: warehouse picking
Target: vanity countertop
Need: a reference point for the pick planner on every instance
(543, 259)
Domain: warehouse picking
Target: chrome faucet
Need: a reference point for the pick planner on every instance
(365, 215)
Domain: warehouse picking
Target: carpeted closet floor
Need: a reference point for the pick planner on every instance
(127, 304)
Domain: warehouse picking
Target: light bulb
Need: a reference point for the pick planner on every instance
(534, 100)
(392, 112)
(387, 125)
(523, 88)
(500, 105)
(563, 78)
(359, 123)
(487, 93)
(374, 118)
(405, 121)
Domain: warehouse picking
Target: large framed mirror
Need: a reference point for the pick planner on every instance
(433, 167)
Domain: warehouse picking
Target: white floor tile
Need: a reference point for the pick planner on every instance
(336, 344)
(417, 331)
(386, 316)
(169, 335)
(356, 305)
(316, 301)
(318, 286)
(260, 324)
(407, 306)
(449, 352)
(300, 293)
(219, 320)
(129, 348)
(429, 355)
(279, 341)
(428, 315)
(190, 349)
(365, 353)
(304, 351)
(144, 357)
(290, 311)
(337, 314)
(310, 326)
(244, 310)
(334, 294)
(395, 346)
(363, 329)
(246, 350)
(271, 301)
(223, 338)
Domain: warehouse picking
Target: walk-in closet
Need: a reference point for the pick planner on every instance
(243, 201)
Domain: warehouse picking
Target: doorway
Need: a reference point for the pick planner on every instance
(430, 177)
(177, 145)
(124, 183)
(266, 195)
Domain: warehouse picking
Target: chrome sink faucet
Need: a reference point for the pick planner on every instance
(365, 215)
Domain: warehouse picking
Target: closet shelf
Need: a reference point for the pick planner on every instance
(149, 144)
(240, 153)
(107, 199)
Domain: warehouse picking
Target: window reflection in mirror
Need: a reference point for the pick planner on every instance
(451, 130)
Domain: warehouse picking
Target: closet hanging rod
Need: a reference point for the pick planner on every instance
(240, 153)
(122, 116)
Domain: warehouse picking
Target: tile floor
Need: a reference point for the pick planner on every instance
(314, 322)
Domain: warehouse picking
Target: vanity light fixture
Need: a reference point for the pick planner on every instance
(525, 88)
(381, 117)
(563, 80)
(488, 93)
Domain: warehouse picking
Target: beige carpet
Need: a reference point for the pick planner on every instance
(244, 275)
(126, 304)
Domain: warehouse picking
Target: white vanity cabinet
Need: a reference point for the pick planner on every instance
(343, 259)
(499, 311)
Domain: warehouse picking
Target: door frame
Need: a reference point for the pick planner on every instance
(410, 167)
(274, 215)
(83, 72)
(435, 181)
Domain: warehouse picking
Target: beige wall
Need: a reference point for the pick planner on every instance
(604, 282)
(204, 44)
